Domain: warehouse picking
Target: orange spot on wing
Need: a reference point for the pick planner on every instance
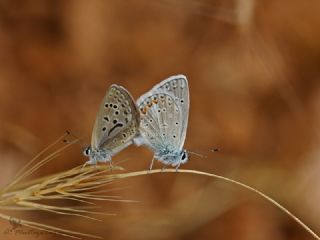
(144, 110)
(148, 106)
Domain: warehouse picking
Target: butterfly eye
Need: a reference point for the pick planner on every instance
(87, 151)
(183, 156)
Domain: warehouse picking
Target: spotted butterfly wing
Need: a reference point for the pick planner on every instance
(177, 86)
(117, 121)
(164, 115)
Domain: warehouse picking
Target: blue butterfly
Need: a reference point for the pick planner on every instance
(164, 114)
(116, 125)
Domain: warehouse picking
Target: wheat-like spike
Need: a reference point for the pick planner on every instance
(104, 196)
(44, 181)
(108, 190)
(45, 206)
(36, 166)
(17, 176)
(44, 161)
(83, 189)
(23, 196)
(56, 197)
(88, 186)
(81, 195)
(107, 199)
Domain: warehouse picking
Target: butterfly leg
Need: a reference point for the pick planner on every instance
(177, 167)
(90, 162)
(163, 168)
(151, 164)
(111, 166)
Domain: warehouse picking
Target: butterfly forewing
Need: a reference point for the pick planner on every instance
(117, 121)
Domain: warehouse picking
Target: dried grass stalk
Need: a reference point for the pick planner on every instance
(81, 184)
(77, 184)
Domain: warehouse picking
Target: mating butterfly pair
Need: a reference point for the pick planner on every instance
(158, 120)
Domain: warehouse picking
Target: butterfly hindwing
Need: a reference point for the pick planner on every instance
(160, 117)
(177, 88)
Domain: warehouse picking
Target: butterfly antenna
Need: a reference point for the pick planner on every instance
(215, 150)
(197, 154)
(80, 141)
(204, 156)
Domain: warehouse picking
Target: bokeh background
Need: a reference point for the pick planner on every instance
(254, 75)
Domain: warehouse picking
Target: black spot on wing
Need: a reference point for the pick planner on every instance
(114, 127)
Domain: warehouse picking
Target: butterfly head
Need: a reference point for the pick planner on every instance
(97, 155)
(87, 151)
(184, 156)
(173, 158)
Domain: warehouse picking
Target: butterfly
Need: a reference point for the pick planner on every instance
(116, 125)
(164, 114)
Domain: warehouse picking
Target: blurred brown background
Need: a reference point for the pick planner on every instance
(254, 75)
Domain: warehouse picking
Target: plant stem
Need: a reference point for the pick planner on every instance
(266, 197)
